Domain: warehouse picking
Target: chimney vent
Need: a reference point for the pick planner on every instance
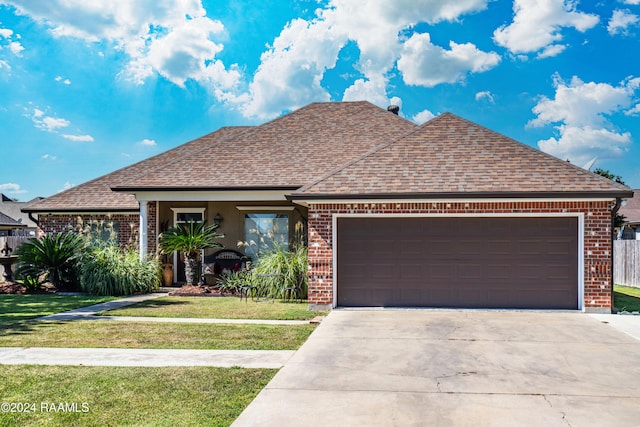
(394, 109)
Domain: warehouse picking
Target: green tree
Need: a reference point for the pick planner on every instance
(189, 239)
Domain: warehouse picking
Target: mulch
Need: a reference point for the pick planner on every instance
(12, 288)
(17, 288)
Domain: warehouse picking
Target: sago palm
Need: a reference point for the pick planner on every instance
(52, 255)
(190, 239)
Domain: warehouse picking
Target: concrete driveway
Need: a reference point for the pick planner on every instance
(456, 368)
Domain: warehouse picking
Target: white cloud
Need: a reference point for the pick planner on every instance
(580, 112)
(620, 22)
(579, 144)
(67, 185)
(65, 81)
(633, 111)
(51, 124)
(16, 48)
(47, 123)
(485, 95)
(49, 157)
(148, 142)
(423, 116)
(537, 25)
(11, 188)
(633, 2)
(173, 39)
(373, 90)
(424, 64)
(292, 69)
(78, 138)
(551, 50)
(7, 41)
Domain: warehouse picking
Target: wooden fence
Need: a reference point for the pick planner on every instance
(626, 262)
(13, 241)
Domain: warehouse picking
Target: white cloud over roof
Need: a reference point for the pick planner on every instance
(291, 70)
(173, 39)
(580, 114)
(537, 26)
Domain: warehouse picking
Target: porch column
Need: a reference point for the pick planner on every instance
(143, 229)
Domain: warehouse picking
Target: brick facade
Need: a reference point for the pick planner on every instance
(597, 239)
(128, 224)
(152, 227)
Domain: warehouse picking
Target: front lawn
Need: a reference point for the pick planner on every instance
(626, 298)
(15, 309)
(116, 396)
(110, 333)
(216, 308)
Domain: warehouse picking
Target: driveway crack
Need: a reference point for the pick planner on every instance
(564, 414)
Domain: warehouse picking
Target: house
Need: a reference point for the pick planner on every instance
(20, 224)
(445, 214)
(631, 213)
(9, 226)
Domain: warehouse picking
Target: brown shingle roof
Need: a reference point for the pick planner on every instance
(451, 156)
(631, 210)
(287, 152)
(96, 195)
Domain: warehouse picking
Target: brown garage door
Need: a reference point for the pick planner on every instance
(495, 262)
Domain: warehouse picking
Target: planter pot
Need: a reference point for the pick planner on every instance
(167, 274)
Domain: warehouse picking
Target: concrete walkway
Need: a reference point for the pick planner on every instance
(268, 359)
(457, 368)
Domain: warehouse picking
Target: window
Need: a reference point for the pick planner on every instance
(263, 231)
(185, 217)
(105, 231)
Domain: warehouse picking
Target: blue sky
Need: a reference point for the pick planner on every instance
(87, 87)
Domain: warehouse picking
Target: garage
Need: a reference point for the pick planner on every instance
(457, 261)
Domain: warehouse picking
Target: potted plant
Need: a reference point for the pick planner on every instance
(189, 239)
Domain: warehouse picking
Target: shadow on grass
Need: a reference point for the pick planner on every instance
(624, 302)
(147, 304)
(25, 327)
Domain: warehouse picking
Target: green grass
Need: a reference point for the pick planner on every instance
(16, 309)
(108, 333)
(215, 307)
(118, 396)
(626, 298)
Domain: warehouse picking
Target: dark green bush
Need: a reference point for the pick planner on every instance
(53, 258)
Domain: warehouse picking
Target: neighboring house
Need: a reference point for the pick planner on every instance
(631, 212)
(446, 214)
(9, 226)
(12, 209)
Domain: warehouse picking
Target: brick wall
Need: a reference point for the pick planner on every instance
(597, 239)
(152, 227)
(128, 230)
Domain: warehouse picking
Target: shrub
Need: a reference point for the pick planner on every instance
(233, 281)
(107, 269)
(52, 258)
(291, 265)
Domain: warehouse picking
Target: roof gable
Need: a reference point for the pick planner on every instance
(287, 152)
(450, 155)
(631, 210)
(96, 195)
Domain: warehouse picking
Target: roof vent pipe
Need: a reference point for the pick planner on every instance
(394, 109)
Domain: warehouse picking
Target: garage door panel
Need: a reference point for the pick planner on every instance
(458, 262)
